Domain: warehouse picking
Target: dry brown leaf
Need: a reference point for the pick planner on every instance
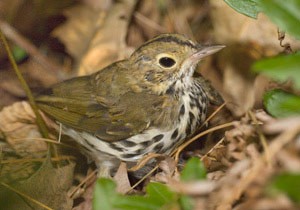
(94, 37)
(19, 127)
(48, 185)
(122, 180)
(232, 27)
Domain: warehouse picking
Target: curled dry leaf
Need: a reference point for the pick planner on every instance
(94, 37)
(18, 125)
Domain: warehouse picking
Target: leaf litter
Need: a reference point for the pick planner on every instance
(240, 165)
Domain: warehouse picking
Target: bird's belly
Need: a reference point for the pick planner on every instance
(154, 140)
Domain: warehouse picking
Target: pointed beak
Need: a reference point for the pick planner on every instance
(204, 51)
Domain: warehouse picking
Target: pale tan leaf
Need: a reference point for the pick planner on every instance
(19, 127)
(122, 180)
(96, 38)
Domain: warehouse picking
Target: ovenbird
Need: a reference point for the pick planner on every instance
(148, 103)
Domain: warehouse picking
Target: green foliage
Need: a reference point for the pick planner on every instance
(287, 183)
(286, 14)
(158, 196)
(104, 194)
(186, 202)
(282, 104)
(281, 68)
(247, 7)
(193, 170)
(19, 53)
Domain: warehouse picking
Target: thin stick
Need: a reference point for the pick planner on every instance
(39, 120)
(48, 141)
(212, 149)
(82, 183)
(25, 160)
(261, 137)
(25, 44)
(149, 22)
(213, 114)
(26, 196)
(142, 179)
(185, 144)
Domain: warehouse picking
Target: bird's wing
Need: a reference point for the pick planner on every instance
(95, 105)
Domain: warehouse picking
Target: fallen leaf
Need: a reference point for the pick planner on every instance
(96, 38)
(48, 186)
(20, 129)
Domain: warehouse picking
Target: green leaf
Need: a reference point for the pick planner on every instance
(247, 7)
(158, 195)
(104, 194)
(193, 170)
(281, 68)
(18, 53)
(186, 202)
(286, 14)
(289, 184)
(135, 202)
(282, 104)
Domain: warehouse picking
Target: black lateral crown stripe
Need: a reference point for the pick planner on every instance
(168, 38)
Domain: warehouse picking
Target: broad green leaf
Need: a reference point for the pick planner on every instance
(285, 14)
(281, 68)
(158, 195)
(289, 184)
(186, 202)
(246, 7)
(104, 194)
(135, 202)
(282, 104)
(193, 170)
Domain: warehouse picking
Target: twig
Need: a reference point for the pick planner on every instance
(91, 175)
(66, 157)
(212, 149)
(185, 144)
(40, 122)
(26, 196)
(261, 136)
(25, 44)
(149, 22)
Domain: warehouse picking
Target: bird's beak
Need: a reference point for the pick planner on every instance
(205, 51)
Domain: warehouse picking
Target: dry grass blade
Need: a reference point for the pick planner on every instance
(213, 114)
(39, 119)
(261, 136)
(24, 160)
(90, 176)
(212, 149)
(49, 67)
(144, 161)
(49, 141)
(26, 196)
(177, 152)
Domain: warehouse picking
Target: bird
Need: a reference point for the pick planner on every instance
(148, 103)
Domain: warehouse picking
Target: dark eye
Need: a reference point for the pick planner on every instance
(166, 62)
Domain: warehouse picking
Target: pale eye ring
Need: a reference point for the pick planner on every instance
(166, 62)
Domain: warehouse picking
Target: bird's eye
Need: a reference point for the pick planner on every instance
(167, 62)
